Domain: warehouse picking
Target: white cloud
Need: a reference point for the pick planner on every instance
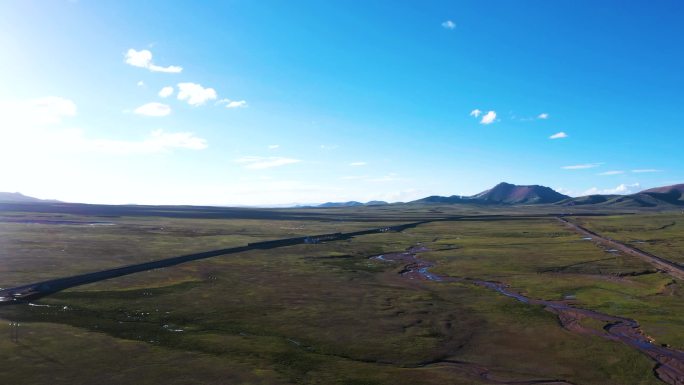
(261, 162)
(543, 116)
(143, 59)
(559, 135)
(581, 166)
(153, 109)
(141, 83)
(488, 118)
(615, 172)
(645, 170)
(621, 189)
(328, 146)
(354, 177)
(237, 104)
(476, 112)
(140, 59)
(233, 103)
(273, 146)
(166, 92)
(357, 164)
(44, 110)
(195, 94)
(157, 141)
(449, 24)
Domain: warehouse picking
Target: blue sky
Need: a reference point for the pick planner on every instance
(274, 102)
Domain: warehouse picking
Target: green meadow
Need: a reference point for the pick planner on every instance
(658, 233)
(326, 313)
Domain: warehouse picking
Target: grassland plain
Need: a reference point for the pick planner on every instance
(659, 233)
(321, 314)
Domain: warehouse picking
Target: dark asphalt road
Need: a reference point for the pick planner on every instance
(33, 291)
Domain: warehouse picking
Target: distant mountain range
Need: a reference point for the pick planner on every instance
(506, 193)
(659, 196)
(351, 204)
(16, 197)
(501, 194)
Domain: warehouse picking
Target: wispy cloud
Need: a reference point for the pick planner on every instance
(273, 146)
(645, 170)
(51, 108)
(233, 103)
(141, 83)
(449, 24)
(559, 135)
(153, 109)
(614, 172)
(39, 111)
(195, 94)
(143, 59)
(158, 141)
(166, 92)
(38, 130)
(262, 162)
(542, 116)
(488, 118)
(328, 146)
(582, 166)
(620, 189)
(391, 177)
(476, 113)
(357, 164)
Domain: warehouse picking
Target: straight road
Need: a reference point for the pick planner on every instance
(33, 291)
(661, 263)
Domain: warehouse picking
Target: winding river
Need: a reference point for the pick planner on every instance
(669, 362)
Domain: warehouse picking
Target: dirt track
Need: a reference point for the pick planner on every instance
(663, 264)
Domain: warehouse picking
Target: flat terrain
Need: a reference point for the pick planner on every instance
(661, 234)
(330, 313)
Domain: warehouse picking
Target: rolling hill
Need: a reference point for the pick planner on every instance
(510, 194)
(666, 196)
(503, 193)
(588, 200)
(673, 194)
(16, 197)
